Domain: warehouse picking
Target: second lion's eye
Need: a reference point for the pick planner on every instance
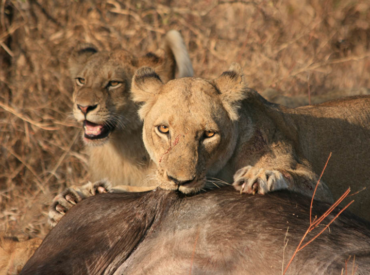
(209, 134)
(163, 129)
(80, 81)
(114, 84)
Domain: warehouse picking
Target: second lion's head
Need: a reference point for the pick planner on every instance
(190, 125)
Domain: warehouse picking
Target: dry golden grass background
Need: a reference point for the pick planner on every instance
(294, 46)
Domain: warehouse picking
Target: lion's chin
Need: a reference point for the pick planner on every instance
(192, 188)
(94, 142)
(188, 188)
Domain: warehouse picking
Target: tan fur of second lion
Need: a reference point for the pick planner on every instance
(275, 96)
(224, 130)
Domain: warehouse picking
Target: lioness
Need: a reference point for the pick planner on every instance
(302, 100)
(196, 129)
(14, 254)
(216, 232)
(112, 129)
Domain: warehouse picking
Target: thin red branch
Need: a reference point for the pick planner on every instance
(318, 221)
(363, 189)
(192, 257)
(345, 265)
(317, 235)
(315, 223)
(296, 251)
(317, 184)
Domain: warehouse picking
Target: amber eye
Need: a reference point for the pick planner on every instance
(114, 84)
(209, 134)
(80, 81)
(163, 129)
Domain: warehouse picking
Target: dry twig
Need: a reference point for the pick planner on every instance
(316, 222)
(22, 117)
(193, 255)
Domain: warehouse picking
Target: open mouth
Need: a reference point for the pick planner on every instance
(96, 131)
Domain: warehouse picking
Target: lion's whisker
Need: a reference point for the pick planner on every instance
(213, 183)
(218, 180)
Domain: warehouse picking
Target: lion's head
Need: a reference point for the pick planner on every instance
(102, 99)
(190, 125)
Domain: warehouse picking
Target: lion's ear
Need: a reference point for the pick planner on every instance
(233, 90)
(145, 84)
(162, 62)
(79, 57)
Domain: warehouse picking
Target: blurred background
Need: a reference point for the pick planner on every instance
(295, 48)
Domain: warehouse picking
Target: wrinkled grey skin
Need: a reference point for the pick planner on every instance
(217, 232)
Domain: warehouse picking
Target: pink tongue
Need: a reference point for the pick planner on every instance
(93, 130)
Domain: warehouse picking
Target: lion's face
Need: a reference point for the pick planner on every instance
(101, 98)
(102, 90)
(189, 128)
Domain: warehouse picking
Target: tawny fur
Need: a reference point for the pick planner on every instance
(276, 96)
(120, 158)
(275, 147)
(14, 254)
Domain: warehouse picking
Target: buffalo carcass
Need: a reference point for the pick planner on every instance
(216, 232)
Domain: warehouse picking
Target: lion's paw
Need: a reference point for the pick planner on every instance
(73, 195)
(62, 203)
(101, 187)
(253, 180)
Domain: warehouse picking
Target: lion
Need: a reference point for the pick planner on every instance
(201, 132)
(112, 129)
(275, 96)
(14, 254)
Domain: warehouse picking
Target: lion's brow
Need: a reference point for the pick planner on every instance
(148, 75)
(230, 74)
(216, 88)
(153, 57)
(85, 50)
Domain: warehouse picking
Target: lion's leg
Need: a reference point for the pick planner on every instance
(257, 180)
(304, 181)
(74, 194)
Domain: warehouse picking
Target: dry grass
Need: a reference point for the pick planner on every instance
(317, 46)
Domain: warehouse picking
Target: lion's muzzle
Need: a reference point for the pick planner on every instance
(182, 181)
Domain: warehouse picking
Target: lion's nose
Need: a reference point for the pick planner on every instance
(86, 109)
(180, 182)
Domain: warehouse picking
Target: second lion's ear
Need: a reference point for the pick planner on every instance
(79, 57)
(145, 84)
(233, 89)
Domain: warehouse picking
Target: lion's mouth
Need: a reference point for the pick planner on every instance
(96, 131)
(191, 186)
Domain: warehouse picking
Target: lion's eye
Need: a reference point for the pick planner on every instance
(80, 81)
(163, 129)
(209, 134)
(114, 84)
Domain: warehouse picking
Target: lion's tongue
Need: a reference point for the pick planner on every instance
(93, 129)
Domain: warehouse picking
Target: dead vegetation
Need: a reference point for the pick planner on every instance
(291, 46)
(316, 222)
